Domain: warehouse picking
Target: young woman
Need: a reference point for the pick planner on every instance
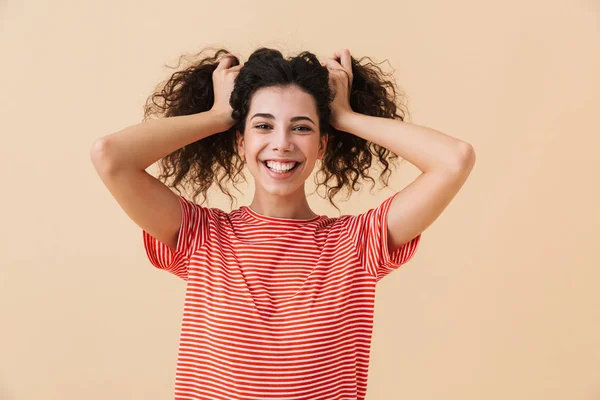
(279, 300)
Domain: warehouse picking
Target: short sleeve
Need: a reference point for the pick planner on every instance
(368, 232)
(195, 224)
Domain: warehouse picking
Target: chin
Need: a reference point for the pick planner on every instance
(281, 189)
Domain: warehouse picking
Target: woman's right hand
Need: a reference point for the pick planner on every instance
(223, 81)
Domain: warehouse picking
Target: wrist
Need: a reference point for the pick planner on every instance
(344, 121)
(222, 118)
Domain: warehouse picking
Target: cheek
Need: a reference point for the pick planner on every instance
(251, 151)
(312, 150)
(245, 147)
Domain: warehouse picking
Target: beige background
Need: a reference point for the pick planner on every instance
(501, 300)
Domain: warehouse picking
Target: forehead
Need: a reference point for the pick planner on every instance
(282, 102)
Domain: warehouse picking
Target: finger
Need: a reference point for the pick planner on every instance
(331, 63)
(337, 71)
(344, 56)
(225, 61)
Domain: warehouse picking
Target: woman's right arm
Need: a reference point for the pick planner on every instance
(121, 159)
(141, 145)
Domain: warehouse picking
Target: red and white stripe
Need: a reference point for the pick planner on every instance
(276, 308)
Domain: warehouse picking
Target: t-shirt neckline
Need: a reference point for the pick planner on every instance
(265, 218)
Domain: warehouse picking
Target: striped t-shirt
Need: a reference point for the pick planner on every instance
(276, 308)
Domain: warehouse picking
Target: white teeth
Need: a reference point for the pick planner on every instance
(279, 166)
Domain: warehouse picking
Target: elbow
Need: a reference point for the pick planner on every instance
(100, 156)
(467, 155)
(464, 159)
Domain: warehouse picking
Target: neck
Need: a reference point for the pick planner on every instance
(293, 206)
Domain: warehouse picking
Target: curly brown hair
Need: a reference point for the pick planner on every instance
(215, 159)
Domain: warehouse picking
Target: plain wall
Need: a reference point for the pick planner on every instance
(501, 301)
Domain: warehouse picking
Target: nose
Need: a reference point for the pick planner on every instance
(282, 140)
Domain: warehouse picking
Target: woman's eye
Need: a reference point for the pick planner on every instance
(302, 128)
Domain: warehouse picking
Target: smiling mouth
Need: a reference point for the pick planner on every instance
(289, 170)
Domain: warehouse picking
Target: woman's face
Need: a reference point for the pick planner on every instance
(282, 132)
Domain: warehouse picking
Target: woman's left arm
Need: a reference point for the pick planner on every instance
(445, 161)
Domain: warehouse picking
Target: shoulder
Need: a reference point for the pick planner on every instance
(339, 224)
(202, 214)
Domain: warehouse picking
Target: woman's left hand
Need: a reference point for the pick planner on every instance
(340, 83)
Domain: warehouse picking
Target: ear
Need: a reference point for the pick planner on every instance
(322, 146)
(240, 143)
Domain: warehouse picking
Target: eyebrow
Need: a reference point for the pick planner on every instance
(293, 119)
